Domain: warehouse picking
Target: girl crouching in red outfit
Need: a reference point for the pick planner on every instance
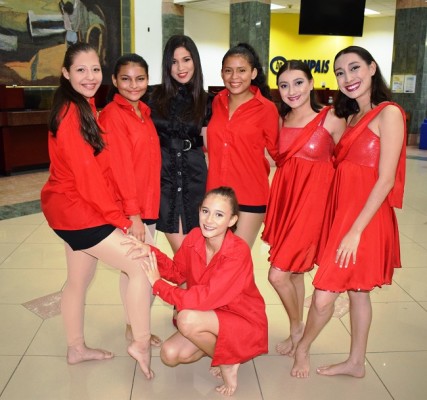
(221, 313)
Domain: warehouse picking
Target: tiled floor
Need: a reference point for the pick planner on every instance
(32, 349)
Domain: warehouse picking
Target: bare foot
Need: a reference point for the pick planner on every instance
(284, 347)
(296, 336)
(344, 368)
(155, 340)
(141, 352)
(80, 353)
(216, 372)
(301, 367)
(229, 374)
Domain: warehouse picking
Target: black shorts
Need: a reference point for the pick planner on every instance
(253, 209)
(81, 239)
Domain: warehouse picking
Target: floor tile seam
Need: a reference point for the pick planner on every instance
(258, 378)
(12, 374)
(379, 377)
(412, 297)
(396, 351)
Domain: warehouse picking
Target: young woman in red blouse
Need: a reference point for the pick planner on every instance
(221, 313)
(243, 125)
(134, 148)
(79, 204)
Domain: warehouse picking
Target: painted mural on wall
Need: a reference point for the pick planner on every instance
(34, 35)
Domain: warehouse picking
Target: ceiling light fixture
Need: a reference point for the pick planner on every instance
(370, 12)
(276, 7)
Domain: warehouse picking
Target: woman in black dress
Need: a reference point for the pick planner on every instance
(179, 111)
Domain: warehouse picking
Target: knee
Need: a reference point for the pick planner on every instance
(323, 304)
(277, 278)
(169, 355)
(186, 322)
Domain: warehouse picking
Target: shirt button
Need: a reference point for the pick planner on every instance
(179, 189)
(225, 144)
(178, 154)
(179, 173)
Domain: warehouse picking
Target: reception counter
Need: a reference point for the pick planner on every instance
(23, 140)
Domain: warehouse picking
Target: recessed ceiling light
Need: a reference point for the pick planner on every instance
(276, 7)
(370, 12)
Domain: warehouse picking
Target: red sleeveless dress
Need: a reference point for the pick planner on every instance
(378, 252)
(298, 196)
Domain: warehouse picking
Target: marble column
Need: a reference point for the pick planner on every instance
(172, 20)
(250, 23)
(410, 58)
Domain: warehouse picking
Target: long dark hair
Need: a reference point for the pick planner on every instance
(65, 95)
(246, 51)
(230, 195)
(168, 89)
(344, 106)
(292, 65)
(122, 61)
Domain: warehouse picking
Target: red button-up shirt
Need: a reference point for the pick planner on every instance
(78, 193)
(135, 157)
(236, 146)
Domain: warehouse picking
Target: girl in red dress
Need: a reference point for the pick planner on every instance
(134, 149)
(242, 127)
(221, 314)
(79, 204)
(299, 190)
(361, 238)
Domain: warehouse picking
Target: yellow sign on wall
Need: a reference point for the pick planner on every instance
(317, 51)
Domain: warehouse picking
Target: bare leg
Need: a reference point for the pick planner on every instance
(360, 319)
(248, 226)
(137, 299)
(80, 271)
(155, 341)
(201, 328)
(229, 374)
(179, 350)
(321, 311)
(284, 284)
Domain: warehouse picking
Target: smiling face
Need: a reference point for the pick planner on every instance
(215, 216)
(354, 75)
(131, 82)
(182, 69)
(237, 74)
(294, 88)
(84, 74)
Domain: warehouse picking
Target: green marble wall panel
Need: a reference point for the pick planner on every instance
(250, 23)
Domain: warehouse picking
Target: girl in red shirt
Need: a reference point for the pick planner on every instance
(78, 202)
(221, 313)
(134, 149)
(243, 125)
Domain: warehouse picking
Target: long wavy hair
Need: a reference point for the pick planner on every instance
(297, 65)
(344, 106)
(168, 89)
(65, 94)
(246, 51)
